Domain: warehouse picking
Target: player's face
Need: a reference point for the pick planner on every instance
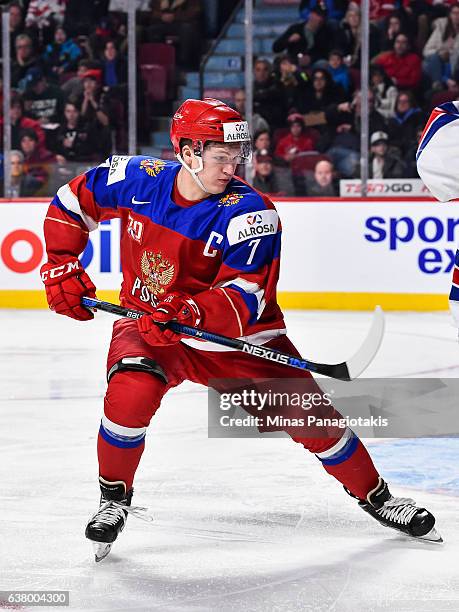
(220, 163)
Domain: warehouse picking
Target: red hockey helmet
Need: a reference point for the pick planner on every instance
(209, 119)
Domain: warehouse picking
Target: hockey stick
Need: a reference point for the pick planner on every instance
(347, 370)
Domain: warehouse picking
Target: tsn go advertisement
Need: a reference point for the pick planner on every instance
(402, 248)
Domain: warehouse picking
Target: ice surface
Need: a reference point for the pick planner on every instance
(250, 524)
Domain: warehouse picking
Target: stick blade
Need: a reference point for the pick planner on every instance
(359, 362)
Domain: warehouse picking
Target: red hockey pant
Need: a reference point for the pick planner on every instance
(133, 397)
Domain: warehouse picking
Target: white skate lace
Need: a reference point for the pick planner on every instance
(111, 511)
(398, 509)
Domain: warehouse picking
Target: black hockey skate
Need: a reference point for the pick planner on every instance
(110, 519)
(400, 513)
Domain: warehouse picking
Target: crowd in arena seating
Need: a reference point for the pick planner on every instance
(69, 86)
(310, 94)
(69, 80)
(68, 90)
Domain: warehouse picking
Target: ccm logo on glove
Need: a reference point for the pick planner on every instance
(65, 285)
(69, 266)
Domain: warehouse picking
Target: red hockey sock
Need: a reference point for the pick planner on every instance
(118, 463)
(347, 460)
(357, 472)
(131, 400)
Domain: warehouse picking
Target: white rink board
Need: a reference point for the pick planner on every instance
(377, 246)
(338, 246)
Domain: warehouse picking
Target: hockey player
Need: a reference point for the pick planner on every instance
(200, 246)
(436, 157)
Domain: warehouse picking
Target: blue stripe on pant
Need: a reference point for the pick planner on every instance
(121, 441)
(344, 453)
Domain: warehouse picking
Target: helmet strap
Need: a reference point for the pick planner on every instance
(194, 171)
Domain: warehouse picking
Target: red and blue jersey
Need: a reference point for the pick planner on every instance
(223, 250)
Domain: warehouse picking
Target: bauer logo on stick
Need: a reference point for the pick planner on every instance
(236, 131)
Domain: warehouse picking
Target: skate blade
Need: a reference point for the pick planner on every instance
(431, 536)
(101, 550)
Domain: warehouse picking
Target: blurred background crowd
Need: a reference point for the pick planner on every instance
(69, 85)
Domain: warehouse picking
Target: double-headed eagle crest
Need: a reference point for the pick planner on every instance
(157, 272)
(230, 199)
(152, 166)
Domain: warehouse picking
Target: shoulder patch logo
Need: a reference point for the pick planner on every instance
(230, 199)
(158, 272)
(252, 225)
(152, 166)
(117, 171)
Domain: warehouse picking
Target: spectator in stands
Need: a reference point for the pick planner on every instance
(74, 86)
(289, 80)
(91, 103)
(74, 139)
(384, 91)
(308, 41)
(318, 94)
(42, 101)
(348, 37)
(449, 94)
(269, 180)
(258, 123)
(61, 56)
(401, 65)
(381, 9)
(114, 66)
(16, 22)
(442, 49)
(36, 161)
(322, 184)
(267, 97)
(25, 58)
(180, 19)
(19, 122)
(103, 32)
(43, 16)
(114, 75)
(383, 163)
(81, 16)
(392, 27)
(335, 9)
(94, 108)
(341, 139)
(23, 184)
(262, 141)
(402, 128)
(295, 142)
(338, 70)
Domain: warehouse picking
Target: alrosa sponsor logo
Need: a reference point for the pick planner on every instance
(236, 132)
(256, 230)
(254, 219)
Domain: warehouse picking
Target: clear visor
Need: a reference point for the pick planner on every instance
(224, 154)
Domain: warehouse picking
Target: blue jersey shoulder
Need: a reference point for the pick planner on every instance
(128, 181)
(240, 198)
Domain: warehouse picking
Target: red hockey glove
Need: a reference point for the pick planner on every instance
(65, 285)
(176, 306)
